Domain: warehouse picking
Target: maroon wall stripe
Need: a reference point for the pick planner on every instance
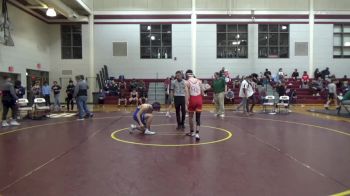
(248, 16)
(97, 23)
(282, 22)
(332, 16)
(142, 16)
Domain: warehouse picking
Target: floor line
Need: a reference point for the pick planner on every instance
(58, 156)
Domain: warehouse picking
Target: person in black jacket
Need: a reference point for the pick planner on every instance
(20, 90)
(70, 92)
(9, 99)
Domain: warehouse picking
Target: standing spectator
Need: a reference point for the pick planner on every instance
(267, 74)
(169, 98)
(325, 73)
(9, 99)
(245, 92)
(46, 91)
(305, 80)
(220, 88)
(253, 80)
(295, 74)
(36, 90)
(56, 89)
(317, 74)
(179, 91)
(332, 94)
(80, 94)
(70, 92)
(20, 90)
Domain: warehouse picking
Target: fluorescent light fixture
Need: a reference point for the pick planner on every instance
(51, 12)
(346, 43)
(153, 37)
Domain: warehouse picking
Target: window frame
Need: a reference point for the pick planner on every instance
(269, 34)
(162, 46)
(71, 33)
(341, 47)
(228, 32)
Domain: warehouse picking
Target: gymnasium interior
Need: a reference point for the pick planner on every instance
(294, 142)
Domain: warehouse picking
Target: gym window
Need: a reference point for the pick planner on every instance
(232, 41)
(341, 41)
(71, 43)
(273, 41)
(156, 41)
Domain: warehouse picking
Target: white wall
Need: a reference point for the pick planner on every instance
(132, 65)
(32, 44)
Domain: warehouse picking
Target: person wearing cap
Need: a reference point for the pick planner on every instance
(194, 98)
(143, 116)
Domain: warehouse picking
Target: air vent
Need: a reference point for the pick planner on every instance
(67, 72)
(120, 49)
(301, 48)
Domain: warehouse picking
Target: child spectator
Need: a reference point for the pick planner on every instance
(305, 80)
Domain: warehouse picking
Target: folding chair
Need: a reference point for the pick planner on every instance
(343, 104)
(270, 102)
(23, 107)
(283, 102)
(40, 107)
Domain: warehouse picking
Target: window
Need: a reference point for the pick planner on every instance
(341, 41)
(273, 41)
(71, 43)
(155, 41)
(232, 41)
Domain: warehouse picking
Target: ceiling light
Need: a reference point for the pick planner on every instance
(284, 27)
(153, 37)
(51, 12)
(347, 44)
(237, 36)
(148, 28)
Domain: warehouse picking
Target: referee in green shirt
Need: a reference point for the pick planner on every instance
(220, 89)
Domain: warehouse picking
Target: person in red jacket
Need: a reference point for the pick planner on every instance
(305, 79)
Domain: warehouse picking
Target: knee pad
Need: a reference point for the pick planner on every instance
(198, 118)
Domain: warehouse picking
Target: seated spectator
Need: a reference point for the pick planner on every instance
(292, 95)
(281, 89)
(295, 74)
(316, 86)
(20, 90)
(280, 74)
(122, 92)
(325, 73)
(305, 80)
(113, 88)
(344, 84)
(317, 74)
(133, 84)
(142, 91)
(134, 97)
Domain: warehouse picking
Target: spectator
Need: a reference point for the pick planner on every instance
(325, 73)
(295, 74)
(267, 74)
(281, 89)
(70, 91)
(133, 84)
(253, 83)
(317, 74)
(332, 94)
(56, 93)
(9, 99)
(316, 86)
(305, 80)
(35, 91)
(122, 92)
(169, 98)
(222, 72)
(220, 89)
(245, 92)
(113, 88)
(134, 97)
(280, 74)
(80, 94)
(142, 90)
(20, 90)
(344, 84)
(46, 91)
